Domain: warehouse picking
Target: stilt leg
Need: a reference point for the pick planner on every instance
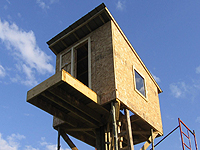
(129, 131)
(115, 134)
(58, 148)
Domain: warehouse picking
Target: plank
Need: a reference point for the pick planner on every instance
(79, 86)
(52, 81)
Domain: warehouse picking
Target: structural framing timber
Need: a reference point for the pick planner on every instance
(68, 99)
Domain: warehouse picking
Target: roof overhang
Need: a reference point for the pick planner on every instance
(81, 28)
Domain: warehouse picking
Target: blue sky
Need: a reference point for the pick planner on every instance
(165, 34)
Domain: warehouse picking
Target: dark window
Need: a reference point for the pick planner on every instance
(82, 63)
(139, 83)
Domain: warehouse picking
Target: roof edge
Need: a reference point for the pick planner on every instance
(77, 23)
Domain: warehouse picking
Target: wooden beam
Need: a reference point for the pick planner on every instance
(101, 18)
(53, 80)
(76, 36)
(60, 78)
(79, 129)
(41, 101)
(147, 143)
(64, 43)
(72, 110)
(62, 94)
(79, 86)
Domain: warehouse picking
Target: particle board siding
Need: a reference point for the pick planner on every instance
(102, 63)
(124, 61)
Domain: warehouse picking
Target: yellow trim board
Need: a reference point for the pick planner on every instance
(59, 78)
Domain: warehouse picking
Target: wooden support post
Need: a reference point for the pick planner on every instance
(129, 131)
(58, 148)
(100, 138)
(68, 141)
(152, 139)
(115, 134)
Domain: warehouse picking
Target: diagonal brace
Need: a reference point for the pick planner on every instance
(149, 141)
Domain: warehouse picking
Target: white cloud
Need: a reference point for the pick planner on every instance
(12, 142)
(197, 120)
(120, 5)
(8, 1)
(29, 57)
(19, 15)
(49, 146)
(42, 4)
(5, 7)
(198, 70)
(53, 1)
(176, 91)
(45, 5)
(156, 78)
(183, 90)
(2, 71)
(29, 147)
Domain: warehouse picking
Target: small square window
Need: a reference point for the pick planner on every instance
(139, 83)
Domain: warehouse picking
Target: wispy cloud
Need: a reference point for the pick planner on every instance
(197, 119)
(8, 1)
(198, 70)
(176, 90)
(45, 4)
(42, 4)
(2, 71)
(13, 142)
(183, 90)
(120, 5)
(29, 58)
(156, 78)
(49, 146)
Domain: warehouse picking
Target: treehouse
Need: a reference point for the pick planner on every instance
(101, 93)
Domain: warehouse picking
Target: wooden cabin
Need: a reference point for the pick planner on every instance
(97, 65)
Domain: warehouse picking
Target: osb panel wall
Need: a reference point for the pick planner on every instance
(103, 81)
(102, 63)
(125, 60)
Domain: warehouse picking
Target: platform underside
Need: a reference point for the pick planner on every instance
(76, 109)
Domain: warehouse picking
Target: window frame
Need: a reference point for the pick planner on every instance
(144, 84)
(72, 50)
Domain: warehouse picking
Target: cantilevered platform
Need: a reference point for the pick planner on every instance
(68, 99)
